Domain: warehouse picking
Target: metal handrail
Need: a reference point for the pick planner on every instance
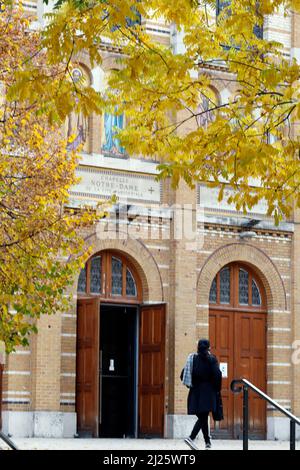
(8, 441)
(245, 385)
(265, 396)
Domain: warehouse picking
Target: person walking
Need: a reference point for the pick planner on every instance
(203, 377)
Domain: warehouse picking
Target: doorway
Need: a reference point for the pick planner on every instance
(118, 371)
(237, 329)
(120, 353)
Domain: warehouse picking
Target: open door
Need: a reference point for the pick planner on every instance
(152, 370)
(87, 366)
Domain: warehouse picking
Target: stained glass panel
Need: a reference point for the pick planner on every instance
(243, 287)
(221, 4)
(225, 286)
(256, 298)
(116, 276)
(81, 287)
(96, 275)
(130, 284)
(213, 292)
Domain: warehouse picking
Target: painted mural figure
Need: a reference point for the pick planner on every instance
(77, 126)
(113, 122)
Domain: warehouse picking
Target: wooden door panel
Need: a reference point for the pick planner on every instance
(221, 337)
(150, 410)
(145, 410)
(224, 332)
(250, 363)
(152, 370)
(226, 424)
(259, 327)
(87, 366)
(239, 340)
(258, 411)
(213, 331)
(245, 336)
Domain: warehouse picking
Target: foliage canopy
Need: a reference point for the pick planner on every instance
(249, 141)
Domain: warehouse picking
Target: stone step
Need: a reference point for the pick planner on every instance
(141, 444)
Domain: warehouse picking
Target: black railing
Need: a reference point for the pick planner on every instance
(244, 385)
(8, 441)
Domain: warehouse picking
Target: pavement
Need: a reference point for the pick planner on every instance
(139, 444)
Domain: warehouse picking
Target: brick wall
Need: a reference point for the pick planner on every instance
(42, 377)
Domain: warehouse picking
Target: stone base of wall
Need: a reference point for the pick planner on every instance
(38, 424)
(180, 426)
(278, 429)
(51, 424)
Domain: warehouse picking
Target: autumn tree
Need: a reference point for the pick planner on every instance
(249, 142)
(40, 249)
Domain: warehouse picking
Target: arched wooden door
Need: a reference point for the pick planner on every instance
(237, 325)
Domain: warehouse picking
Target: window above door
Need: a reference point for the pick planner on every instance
(110, 275)
(237, 286)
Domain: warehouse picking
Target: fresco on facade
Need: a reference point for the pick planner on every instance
(113, 123)
(77, 126)
(77, 123)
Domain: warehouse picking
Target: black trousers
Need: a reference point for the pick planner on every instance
(201, 423)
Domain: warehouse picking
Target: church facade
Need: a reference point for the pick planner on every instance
(168, 267)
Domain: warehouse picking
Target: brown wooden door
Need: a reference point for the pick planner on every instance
(221, 338)
(237, 322)
(87, 365)
(250, 363)
(152, 370)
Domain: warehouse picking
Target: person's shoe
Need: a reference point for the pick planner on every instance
(191, 443)
(208, 445)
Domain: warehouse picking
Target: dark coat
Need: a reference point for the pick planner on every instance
(207, 381)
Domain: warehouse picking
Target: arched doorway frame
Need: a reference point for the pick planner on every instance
(105, 269)
(256, 259)
(138, 254)
(238, 336)
(233, 303)
(152, 315)
(266, 270)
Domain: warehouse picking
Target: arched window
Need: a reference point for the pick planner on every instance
(236, 286)
(213, 292)
(243, 287)
(111, 276)
(225, 286)
(256, 297)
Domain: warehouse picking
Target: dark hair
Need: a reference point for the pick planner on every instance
(203, 347)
